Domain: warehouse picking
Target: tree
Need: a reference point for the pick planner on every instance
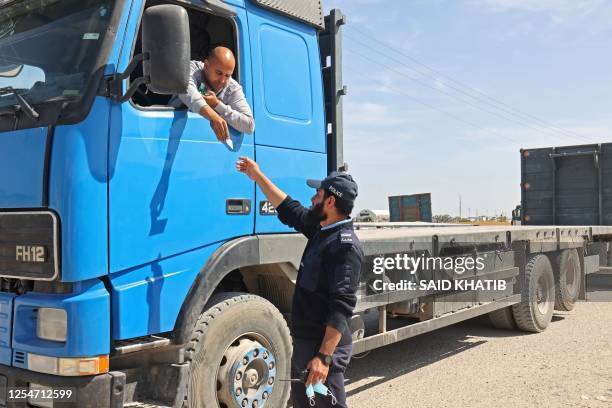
(442, 218)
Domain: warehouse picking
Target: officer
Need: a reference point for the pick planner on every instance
(324, 296)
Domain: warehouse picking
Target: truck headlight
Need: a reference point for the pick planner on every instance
(51, 324)
(68, 366)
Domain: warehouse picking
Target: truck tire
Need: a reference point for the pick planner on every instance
(534, 312)
(239, 349)
(503, 319)
(567, 280)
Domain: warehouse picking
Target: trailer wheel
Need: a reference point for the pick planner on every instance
(567, 280)
(534, 313)
(503, 318)
(239, 350)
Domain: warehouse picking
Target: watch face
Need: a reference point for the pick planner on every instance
(327, 360)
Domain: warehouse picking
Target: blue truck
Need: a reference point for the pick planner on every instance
(138, 267)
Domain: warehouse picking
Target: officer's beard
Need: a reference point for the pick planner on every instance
(317, 213)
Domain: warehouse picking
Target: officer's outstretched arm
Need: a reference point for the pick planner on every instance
(290, 212)
(248, 166)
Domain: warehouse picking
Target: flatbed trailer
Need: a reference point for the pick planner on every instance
(512, 247)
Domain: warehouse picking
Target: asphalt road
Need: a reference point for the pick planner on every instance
(472, 364)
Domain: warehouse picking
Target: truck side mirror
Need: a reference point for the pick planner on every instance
(167, 48)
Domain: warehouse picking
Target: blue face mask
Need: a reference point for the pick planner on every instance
(311, 395)
(320, 389)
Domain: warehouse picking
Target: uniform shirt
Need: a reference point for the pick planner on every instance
(232, 106)
(328, 275)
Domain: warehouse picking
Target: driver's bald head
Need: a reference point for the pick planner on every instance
(222, 55)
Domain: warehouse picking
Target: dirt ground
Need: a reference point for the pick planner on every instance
(474, 365)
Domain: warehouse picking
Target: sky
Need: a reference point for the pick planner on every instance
(442, 94)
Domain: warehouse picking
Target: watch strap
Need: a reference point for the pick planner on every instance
(326, 359)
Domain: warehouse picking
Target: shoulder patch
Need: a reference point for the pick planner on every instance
(346, 238)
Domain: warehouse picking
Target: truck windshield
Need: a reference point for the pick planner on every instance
(49, 48)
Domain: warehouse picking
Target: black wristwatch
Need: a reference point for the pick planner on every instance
(327, 360)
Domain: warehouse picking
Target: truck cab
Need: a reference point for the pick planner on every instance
(123, 219)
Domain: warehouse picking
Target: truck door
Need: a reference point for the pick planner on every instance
(288, 106)
(173, 186)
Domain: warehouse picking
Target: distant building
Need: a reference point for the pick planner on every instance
(373, 216)
(480, 218)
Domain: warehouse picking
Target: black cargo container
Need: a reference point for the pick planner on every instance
(569, 185)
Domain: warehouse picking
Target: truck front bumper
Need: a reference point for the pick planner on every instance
(104, 390)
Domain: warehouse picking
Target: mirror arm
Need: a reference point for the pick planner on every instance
(133, 87)
(112, 85)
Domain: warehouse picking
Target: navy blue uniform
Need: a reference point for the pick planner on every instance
(324, 294)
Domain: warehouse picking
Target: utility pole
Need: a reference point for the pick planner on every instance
(459, 206)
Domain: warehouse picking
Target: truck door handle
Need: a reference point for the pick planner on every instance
(237, 206)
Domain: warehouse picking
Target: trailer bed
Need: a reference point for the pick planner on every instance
(511, 246)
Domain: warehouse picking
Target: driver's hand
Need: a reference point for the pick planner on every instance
(219, 126)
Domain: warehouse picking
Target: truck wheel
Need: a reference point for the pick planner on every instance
(239, 350)
(535, 311)
(503, 318)
(567, 280)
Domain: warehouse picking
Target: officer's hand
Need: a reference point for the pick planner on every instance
(211, 99)
(318, 371)
(219, 126)
(248, 167)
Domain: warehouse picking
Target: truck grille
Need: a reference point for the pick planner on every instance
(29, 245)
(19, 358)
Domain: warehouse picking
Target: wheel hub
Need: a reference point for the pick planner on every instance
(542, 296)
(571, 278)
(246, 375)
(251, 377)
